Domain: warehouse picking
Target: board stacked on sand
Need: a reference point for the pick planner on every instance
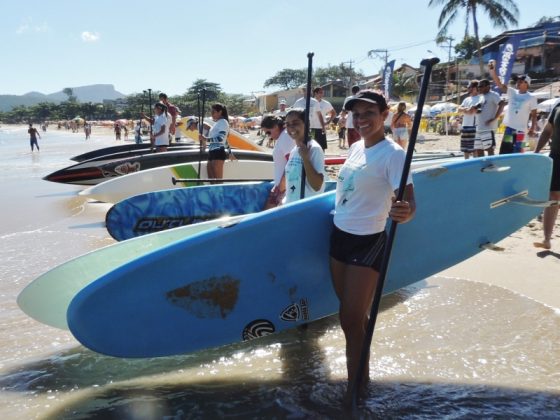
(269, 272)
(159, 210)
(130, 149)
(94, 171)
(120, 188)
(46, 299)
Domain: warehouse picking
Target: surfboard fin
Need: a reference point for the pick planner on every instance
(491, 247)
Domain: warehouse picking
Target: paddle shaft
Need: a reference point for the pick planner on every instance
(306, 116)
(428, 63)
(151, 116)
(200, 123)
(185, 180)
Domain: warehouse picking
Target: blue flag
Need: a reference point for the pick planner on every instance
(388, 79)
(506, 59)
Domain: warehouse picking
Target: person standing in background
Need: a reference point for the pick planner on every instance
(469, 108)
(321, 118)
(487, 119)
(217, 141)
(160, 137)
(400, 125)
(521, 106)
(172, 111)
(33, 134)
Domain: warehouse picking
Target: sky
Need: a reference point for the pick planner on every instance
(167, 45)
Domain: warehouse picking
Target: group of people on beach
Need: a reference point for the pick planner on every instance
(482, 108)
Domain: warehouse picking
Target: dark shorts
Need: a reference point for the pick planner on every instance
(360, 250)
(320, 137)
(217, 154)
(555, 180)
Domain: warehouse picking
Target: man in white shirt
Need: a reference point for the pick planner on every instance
(469, 108)
(487, 119)
(321, 118)
(521, 106)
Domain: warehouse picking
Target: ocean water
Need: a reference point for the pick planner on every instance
(443, 348)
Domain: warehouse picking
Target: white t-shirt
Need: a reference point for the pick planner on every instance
(349, 119)
(366, 183)
(293, 172)
(314, 108)
(490, 102)
(280, 154)
(469, 102)
(325, 107)
(217, 136)
(520, 106)
(162, 139)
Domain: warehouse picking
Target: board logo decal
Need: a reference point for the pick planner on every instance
(156, 224)
(127, 168)
(296, 312)
(214, 297)
(258, 328)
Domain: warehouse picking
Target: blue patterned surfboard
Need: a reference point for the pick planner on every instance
(166, 209)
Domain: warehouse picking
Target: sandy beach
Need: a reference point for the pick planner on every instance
(477, 340)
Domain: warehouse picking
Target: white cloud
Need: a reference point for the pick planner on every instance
(90, 36)
(28, 26)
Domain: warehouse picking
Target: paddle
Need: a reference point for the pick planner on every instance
(428, 63)
(176, 180)
(307, 104)
(151, 117)
(201, 126)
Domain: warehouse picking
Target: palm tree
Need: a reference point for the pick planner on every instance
(502, 13)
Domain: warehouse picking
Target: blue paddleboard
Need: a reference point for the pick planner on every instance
(270, 271)
(166, 209)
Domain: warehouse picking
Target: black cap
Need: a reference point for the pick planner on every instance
(367, 96)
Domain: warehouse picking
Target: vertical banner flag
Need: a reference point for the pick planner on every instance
(388, 79)
(506, 59)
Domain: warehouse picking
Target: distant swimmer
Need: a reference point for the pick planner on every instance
(33, 134)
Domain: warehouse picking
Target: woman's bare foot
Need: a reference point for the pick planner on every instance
(544, 244)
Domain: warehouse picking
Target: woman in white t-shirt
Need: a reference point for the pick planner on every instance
(366, 187)
(217, 141)
(273, 126)
(308, 156)
(159, 137)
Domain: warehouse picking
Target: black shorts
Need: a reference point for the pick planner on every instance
(361, 250)
(217, 154)
(555, 179)
(320, 137)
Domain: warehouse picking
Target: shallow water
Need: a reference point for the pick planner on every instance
(442, 348)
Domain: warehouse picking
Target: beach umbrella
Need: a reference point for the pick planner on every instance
(426, 110)
(548, 105)
(443, 107)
